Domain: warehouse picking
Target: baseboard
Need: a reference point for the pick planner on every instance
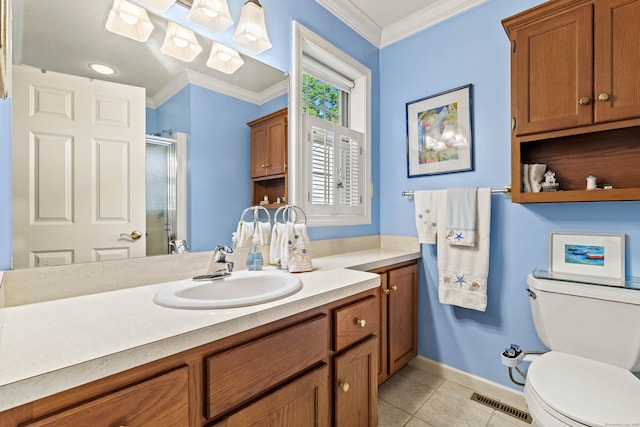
(481, 385)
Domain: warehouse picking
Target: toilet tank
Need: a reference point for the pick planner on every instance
(597, 322)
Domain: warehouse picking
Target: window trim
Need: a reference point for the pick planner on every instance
(307, 42)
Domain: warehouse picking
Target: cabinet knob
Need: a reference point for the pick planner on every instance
(344, 386)
(584, 101)
(265, 165)
(603, 96)
(361, 322)
(394, 288)
(386, 291)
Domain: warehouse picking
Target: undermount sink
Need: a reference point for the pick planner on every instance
(241, 289)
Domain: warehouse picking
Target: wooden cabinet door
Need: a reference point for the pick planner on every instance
(259, 147)
(301, 403)
(382, 330)
(160, 401)
(617, 59)
(553, 72)
(355, 386)
(277, 148)
(402, 316)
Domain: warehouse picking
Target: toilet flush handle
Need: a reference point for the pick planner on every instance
(532, 294)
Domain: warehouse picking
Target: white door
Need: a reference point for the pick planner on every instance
(78, 169)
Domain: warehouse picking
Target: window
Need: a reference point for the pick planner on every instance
(331, 175)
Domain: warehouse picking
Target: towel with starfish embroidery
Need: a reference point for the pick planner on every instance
(463, 270)
(461, 216)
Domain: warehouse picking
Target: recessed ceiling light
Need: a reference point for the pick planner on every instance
(102, 69)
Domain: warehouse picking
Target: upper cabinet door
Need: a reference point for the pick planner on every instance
(617, 60)
(553, 72)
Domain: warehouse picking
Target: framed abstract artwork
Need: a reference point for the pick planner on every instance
(439, 133)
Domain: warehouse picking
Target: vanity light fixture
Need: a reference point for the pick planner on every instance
(102, 69)
(180, 42)
(157, 5)
(223, 58)
(213, 14)
(129, 20)
(251, 33)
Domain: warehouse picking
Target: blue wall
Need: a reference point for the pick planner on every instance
(473, 48)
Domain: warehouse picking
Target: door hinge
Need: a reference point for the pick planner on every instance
(513, 46)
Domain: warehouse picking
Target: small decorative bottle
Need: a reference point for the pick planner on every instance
(254, 259)
(591, 182)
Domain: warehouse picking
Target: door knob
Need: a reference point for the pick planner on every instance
(134, 235)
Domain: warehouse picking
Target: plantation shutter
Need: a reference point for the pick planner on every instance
(336, 166)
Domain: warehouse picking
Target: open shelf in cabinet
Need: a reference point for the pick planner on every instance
(613, 156)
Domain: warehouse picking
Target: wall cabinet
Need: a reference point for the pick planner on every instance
(305, 370)
(574, 97)
(269, 154)
(398, 311)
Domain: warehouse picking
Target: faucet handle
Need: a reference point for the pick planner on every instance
(221, 252)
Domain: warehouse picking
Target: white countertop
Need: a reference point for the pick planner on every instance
(52, 346)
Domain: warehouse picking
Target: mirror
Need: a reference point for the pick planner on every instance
(210, 107)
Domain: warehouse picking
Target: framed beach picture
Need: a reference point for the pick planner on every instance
(439, 133)
(593, 255)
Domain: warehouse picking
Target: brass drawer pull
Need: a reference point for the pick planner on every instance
(584, 101)
(394, 288)
(361, 322)
(386, 291)
(603, 97)
(344, 386)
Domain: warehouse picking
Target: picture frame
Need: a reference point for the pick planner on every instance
(440, 133)
(594, 255)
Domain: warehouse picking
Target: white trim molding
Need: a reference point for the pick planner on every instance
(437, 12)
(481, 385)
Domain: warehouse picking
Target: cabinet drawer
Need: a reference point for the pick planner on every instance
(244, 372)
(355, 321)
(160, 401)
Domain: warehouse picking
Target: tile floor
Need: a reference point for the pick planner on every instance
(416, 398)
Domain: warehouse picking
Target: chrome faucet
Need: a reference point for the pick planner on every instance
(226, 267)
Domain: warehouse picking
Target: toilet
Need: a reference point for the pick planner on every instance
(591, 376)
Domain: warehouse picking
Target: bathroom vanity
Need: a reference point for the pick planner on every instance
(309, 359)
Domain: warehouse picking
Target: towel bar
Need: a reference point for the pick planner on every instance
(506, 191)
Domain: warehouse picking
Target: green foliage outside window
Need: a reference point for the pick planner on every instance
(320, 99)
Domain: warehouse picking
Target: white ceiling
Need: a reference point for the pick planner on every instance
(384, 22)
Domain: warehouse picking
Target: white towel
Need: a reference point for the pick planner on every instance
(296, 254)
(245, 233)
(463, 270)
(264, 232)
(277, 236)
(461, 216)
(426, 204)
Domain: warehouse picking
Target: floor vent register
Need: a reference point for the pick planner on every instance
(499, 406)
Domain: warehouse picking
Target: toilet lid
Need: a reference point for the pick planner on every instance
(590, 392)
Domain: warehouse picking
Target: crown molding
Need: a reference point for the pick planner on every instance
(354, 18)
(176, 84)
(425, 18)
(417, 21)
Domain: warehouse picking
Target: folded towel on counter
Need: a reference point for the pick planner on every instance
(275, 249)
(244, 233)
(463, 270)
(295, 254)
(461, 216)
(264, 232)
(426, 205)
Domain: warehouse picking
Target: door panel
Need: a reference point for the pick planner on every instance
(80, 191)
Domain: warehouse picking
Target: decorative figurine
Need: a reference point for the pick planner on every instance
(550, 183)
(591, 182)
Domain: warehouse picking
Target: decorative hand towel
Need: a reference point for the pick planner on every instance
(463, 270)
(426, 204)
(277, 236)
(461, 216)
(296, 253)
(264, 231)
(245, 233)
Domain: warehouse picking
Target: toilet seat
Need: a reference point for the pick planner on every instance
(576, 391)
